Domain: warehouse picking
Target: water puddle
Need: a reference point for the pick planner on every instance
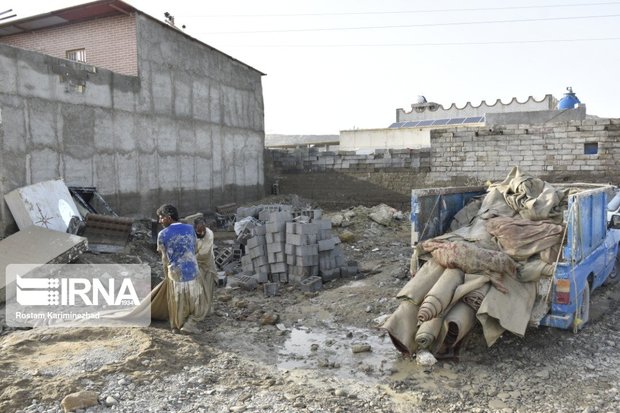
(331, 349)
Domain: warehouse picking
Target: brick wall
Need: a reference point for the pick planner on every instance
(458, 156)
(552, 152)
(338, 180)
(110, 42)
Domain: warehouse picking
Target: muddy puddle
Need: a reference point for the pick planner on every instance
(345, 353)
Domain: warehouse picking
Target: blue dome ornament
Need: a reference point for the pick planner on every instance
(569, 101)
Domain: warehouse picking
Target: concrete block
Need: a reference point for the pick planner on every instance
(329, 275)
(301, 239)
(290, 259)
(244, 281)
(278, 267)
(261, 277)
(275, 247)
(271, 289)
(280, 257)
(289, 249)
(325, 234)
(303, 250)
(323, 223)
(307, 260)
(290, 227)
(257, 251)
(311, 284)
(256, 241)
(258, 261)
(283, 277)
(305, 229)
(281, 216)
(327, 244)
(276, 226)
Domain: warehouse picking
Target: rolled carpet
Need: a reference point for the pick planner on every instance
(429, 335)
(418, 286)
(458, 322)
(402, 326)
(440, 295)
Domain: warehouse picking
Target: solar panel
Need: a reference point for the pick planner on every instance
(395, 125)
(409, 124)
(455, 121)
(441, 122)
(474, 119)
(425, 122)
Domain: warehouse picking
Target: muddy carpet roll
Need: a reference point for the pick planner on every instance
(429, 333)
(421, 283)
(474, 298)
(458, 322)
(440, 294)
(402, 326)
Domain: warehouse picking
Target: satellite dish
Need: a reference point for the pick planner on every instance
(421, 99)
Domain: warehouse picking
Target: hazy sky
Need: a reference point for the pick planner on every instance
(333, 65)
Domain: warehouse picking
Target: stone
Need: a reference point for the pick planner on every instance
(79, 400)
(110, 401)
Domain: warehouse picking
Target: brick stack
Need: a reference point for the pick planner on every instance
(276, 240)
(288, 249)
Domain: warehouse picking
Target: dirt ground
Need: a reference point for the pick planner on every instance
(297, 352)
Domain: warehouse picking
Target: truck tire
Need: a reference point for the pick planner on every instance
(582, 314)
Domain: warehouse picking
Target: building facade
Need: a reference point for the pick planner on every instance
(187, 127)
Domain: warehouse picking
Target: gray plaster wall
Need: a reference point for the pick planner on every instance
(188, 130)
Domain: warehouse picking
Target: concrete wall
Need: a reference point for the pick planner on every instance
(110, 42)
(188, 131)
(536, 117)
(412, 138)
(430, 110)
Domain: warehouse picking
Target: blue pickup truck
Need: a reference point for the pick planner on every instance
(589, 252)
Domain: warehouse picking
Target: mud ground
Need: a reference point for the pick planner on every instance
(294, 353)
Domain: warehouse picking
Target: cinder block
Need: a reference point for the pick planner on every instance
(289, 249)
(276, 226)
(271, 258)
(271, 289)
(329, 275)
(260, 230)
(290, 228)
(306, 229)
(275, 247)
(261, 277)
(323, 224)
(290, 259)
(307, 260)
(280, 257)
(303, 250)
(256, 241)
(327, 244)
(278, 267)
(258, 261)
(310, 284)
(257, 251)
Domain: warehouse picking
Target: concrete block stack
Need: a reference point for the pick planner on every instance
(255, 259)
(293, 246)
(302, 250)
(275, 237)
(331, 257)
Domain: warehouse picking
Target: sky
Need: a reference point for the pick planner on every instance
(335, 65)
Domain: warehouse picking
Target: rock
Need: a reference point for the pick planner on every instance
(79, 400)
(314, 347)
(382, 215)
(425, 358)
(124, 382)
(347, 236)
(110, 401)
(361, 348)
(497, 404)
(237, 408)
(340, 393)
(269, 319)
(349, 215)
(337, 220)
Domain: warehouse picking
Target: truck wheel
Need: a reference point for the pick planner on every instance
(614, 275)
(582, 314)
